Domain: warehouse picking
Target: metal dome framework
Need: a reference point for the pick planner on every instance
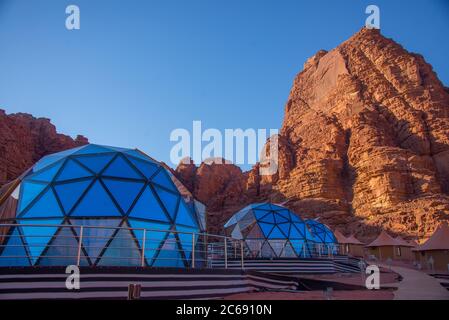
(320, 232)
(97, 186)
(270, 230)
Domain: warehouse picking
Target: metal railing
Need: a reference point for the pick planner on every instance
(109, 246)
(60, 245)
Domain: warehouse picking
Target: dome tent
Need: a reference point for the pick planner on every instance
(320, 232)
(109, 189)
(270, 230)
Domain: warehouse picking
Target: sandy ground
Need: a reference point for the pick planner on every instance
(386, 276)
(316, 295)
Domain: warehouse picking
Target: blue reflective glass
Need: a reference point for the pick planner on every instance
(153, 237)
(96, 202)
(294, 233)
(70, 193)
(276, 234)
(268, 218)
(162, 179)
(285, 228)
(37, 237)
(169, 200)
(184, 216)
(146, 168)
(188, 240)
(63, 250)
(93, 148)
(124, 192)
(95, 239)
(72, 170)
(48, 173)
(280, 219)
(45, 206)
(140, 155)
(284, 213)
(266, 228)
(121, 169)
(29, 191)
(147, 207)
(122, 251)
(14, 254)
(95, 163)
(50, 159)
(169, 255)
(265, 206)
(259, 213)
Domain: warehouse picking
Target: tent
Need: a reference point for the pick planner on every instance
(384, 247)
(434, 253)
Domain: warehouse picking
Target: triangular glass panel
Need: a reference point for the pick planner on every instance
(260, 213)
(72, 170)
(47, 174)
(169, 200)
(93, 148)
(140, 155)
(276, 234)
(184, 216)
(120, 168)
(147, 207)
(70, 193)
(169, 254)
(95, 163)
(255, 247)
(279, 218)
(269, 218)
(265, 206)
(288, 251)
(96, 234)
(30, 191)
(186, 236)
(298, 246)
(294, 233)
(52, 158)
(153, 237)
(46, 206)
(277, 246)
(236, 234)
(124, 192)
(145, 167)
(285, 228)
(266, 228)
(122, 251)
(37, 236)
(162, 179)
(266, 251)
(96, 202)
(63, 250)
(284, 213)
(14, 254)
(255, 233)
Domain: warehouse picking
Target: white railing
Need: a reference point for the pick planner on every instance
(123, 246)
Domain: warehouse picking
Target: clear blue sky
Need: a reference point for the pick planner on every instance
(139, 69)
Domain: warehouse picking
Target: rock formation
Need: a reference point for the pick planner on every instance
(25, 139)
(364, 145)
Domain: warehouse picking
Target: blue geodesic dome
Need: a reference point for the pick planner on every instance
(270, 230)
(321, 233)
(109, 191)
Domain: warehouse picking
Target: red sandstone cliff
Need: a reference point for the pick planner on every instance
(25, 139)
(364, 145)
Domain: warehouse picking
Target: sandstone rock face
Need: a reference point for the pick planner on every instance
(25, 139)
(364, 145)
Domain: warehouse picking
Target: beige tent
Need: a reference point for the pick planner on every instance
(434, 253)
(350, 245)
(384, 247)
(404, 249)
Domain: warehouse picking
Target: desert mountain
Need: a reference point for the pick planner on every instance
(364, 145)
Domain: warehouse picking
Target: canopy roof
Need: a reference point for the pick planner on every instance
(340, 237)
(403, 243)
(384, 239)
(438, 241)
(353, 240)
